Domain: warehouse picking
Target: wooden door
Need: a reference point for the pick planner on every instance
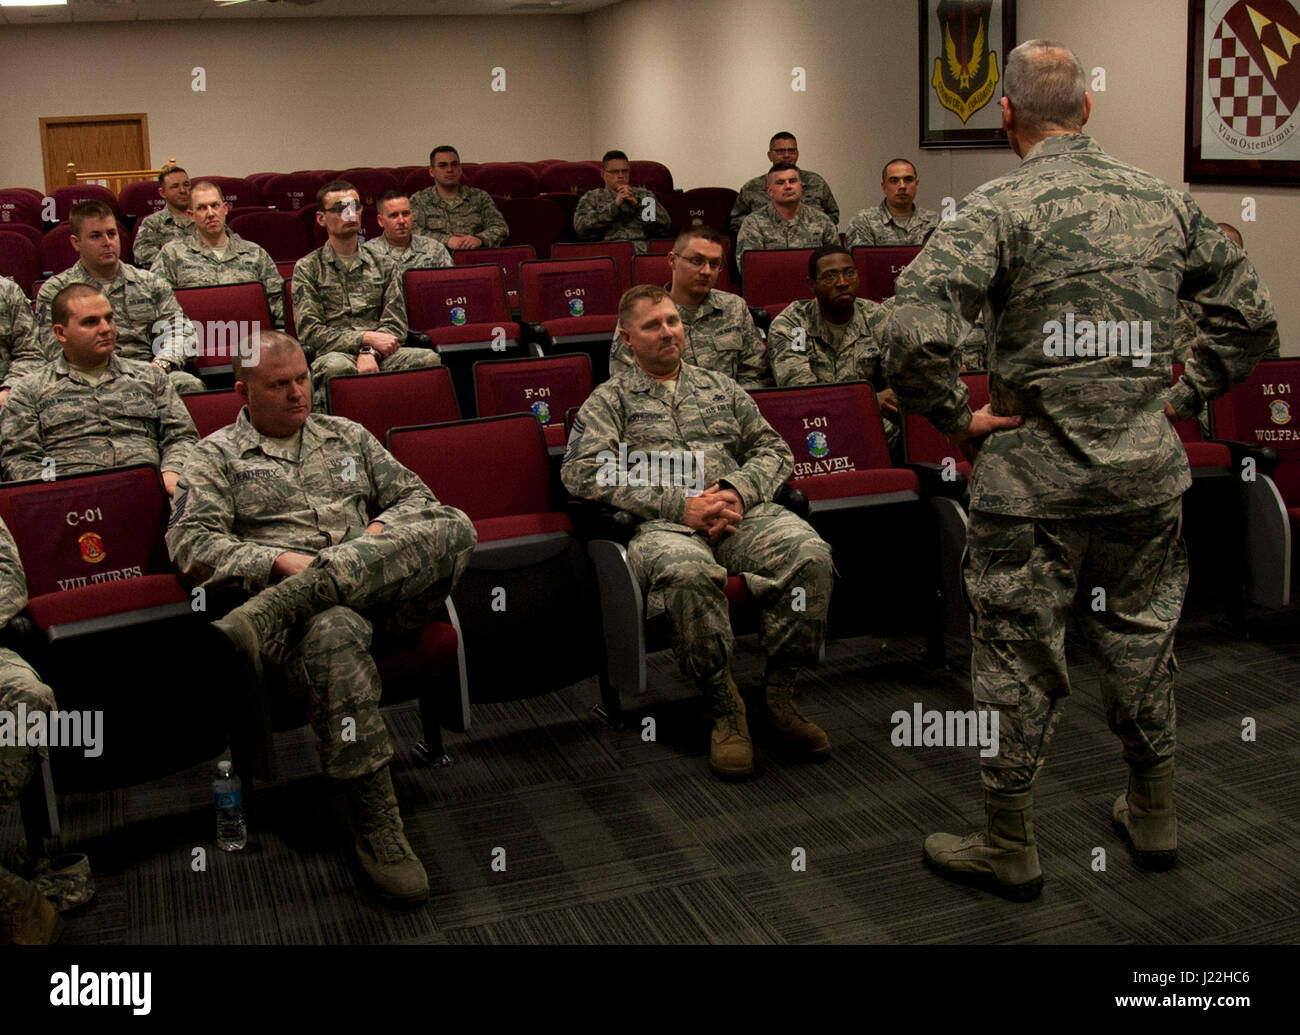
(97, 143)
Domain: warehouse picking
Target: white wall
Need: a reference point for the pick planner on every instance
(287, 94)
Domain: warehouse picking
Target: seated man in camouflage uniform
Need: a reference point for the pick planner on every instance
(618, 211)
(456, 215)
(27, 916)
(349, 304)
(214, 254)
(170, 223)
(753, 195)
(720, 333)
(90, 409)
(20, 351)
(833, 336)
(713, 518)
(785, 221)
(407, 251)
(150, 324)
(338, 541)
(896, 220)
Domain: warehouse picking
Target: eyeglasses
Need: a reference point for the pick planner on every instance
(700, 263)
(831, 276)
(342, 207)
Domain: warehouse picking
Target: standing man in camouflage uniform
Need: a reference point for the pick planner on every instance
(405, 250)
(713, 518)
(753, 195)
(89, 409)
(149, 321)
(896, 220)
(214, 254)
(785, 222)
(618, 211)
(349, 303)
(835, 335)
(720, 333)
(20, 350)
(171, 222)
(26, 915)
(279, 504)
(454, 214)
(1076, 490)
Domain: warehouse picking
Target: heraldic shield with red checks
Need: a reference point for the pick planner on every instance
(1254, 70)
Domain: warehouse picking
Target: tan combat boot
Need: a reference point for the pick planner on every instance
(26, 918)
(379, 840)
(731, 752)
(276, 608)
(1145, 815)
(1003, 860)
(792, 733)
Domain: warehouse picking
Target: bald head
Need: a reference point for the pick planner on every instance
(1045, 84)
(271, 344)
(276, 387)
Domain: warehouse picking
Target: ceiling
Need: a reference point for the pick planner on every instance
(171, 10)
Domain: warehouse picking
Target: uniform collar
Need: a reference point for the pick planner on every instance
(1062, 143)
(249, 440)
(65, 369)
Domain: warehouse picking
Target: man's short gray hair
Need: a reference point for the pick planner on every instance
(1045, 84)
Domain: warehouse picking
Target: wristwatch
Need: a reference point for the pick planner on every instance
(366, 350)
(167, 365)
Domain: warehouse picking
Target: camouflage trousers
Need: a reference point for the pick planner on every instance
(186, 383)
(778, 554)
(1123, 576)
(19, 684)
(334, 364)
(389, 583)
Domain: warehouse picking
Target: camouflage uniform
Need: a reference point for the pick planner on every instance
(144, 310)
(20, 351)
(472, 211)
(764, 228)
(131, 416)
(190, 263)
(334, 306)
(753, 196)
(423, 253)
(243, 500)
(156, 231)
(680, 572)
(876, 226)
(1186, 331)
(598, 218)
(721, 336)
(1086, 492)
(810, 358)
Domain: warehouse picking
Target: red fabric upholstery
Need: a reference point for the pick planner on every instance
(1207, 454)
(842, 484)
(236, 190)
(653, 176)
(290, 192)
(507, 179)
(518, 525)
(483, 334)
(560, 289)
(212, 411)
(572, 178)
(545, 387)
(582, 326)
(280, 233)
(211, 307)
(393, 400)
(507, 258)
(777, 276)
(456, 296)
(879, 267)
(1265, 411)
(67, 196)
(537, 222)
(621, 252)
(17, 206)
(106, 598)
(436, 649)
(19, 260)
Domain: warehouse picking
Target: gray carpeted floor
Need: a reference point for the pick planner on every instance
(607, 838)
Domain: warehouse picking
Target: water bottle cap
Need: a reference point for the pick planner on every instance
(223, 767)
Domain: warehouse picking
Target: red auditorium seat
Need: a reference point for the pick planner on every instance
(291, 191)
(212, 411)
(213, 308)
(280, 233)
(67, 196)
(538, 222)
(370, 183)
(139, 200)
(572, 178)
(506, 180)
(622, 252)
(58, 254)
(382, 401)
(545, 386)
(708, 205)
(508, 258)
(653, 176)
(577, 302)
(20, 261)
(17, 206)
(775, 278)
(879, 267)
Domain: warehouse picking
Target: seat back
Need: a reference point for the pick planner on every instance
(455, 296)
(506, 180)
(236, 190)
(88, 528)
(708, 205)
(226, 317)
(654, 269)
(831, 429)
(17, 206)
(546, 387)
(388, 400)
(212, 411)
(563, 288)
(878, 268)
(140, 199)
(370, 183)
(776, 277)
(571, 178)
(280, 233)
(653, 176)
(537, 222)
(622, 252)
(19, 260)
(291, 191)
(492, 467)
(67, 196)
(507, 258)
(1265, 411)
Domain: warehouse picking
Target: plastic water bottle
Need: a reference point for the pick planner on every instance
(228, 799)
